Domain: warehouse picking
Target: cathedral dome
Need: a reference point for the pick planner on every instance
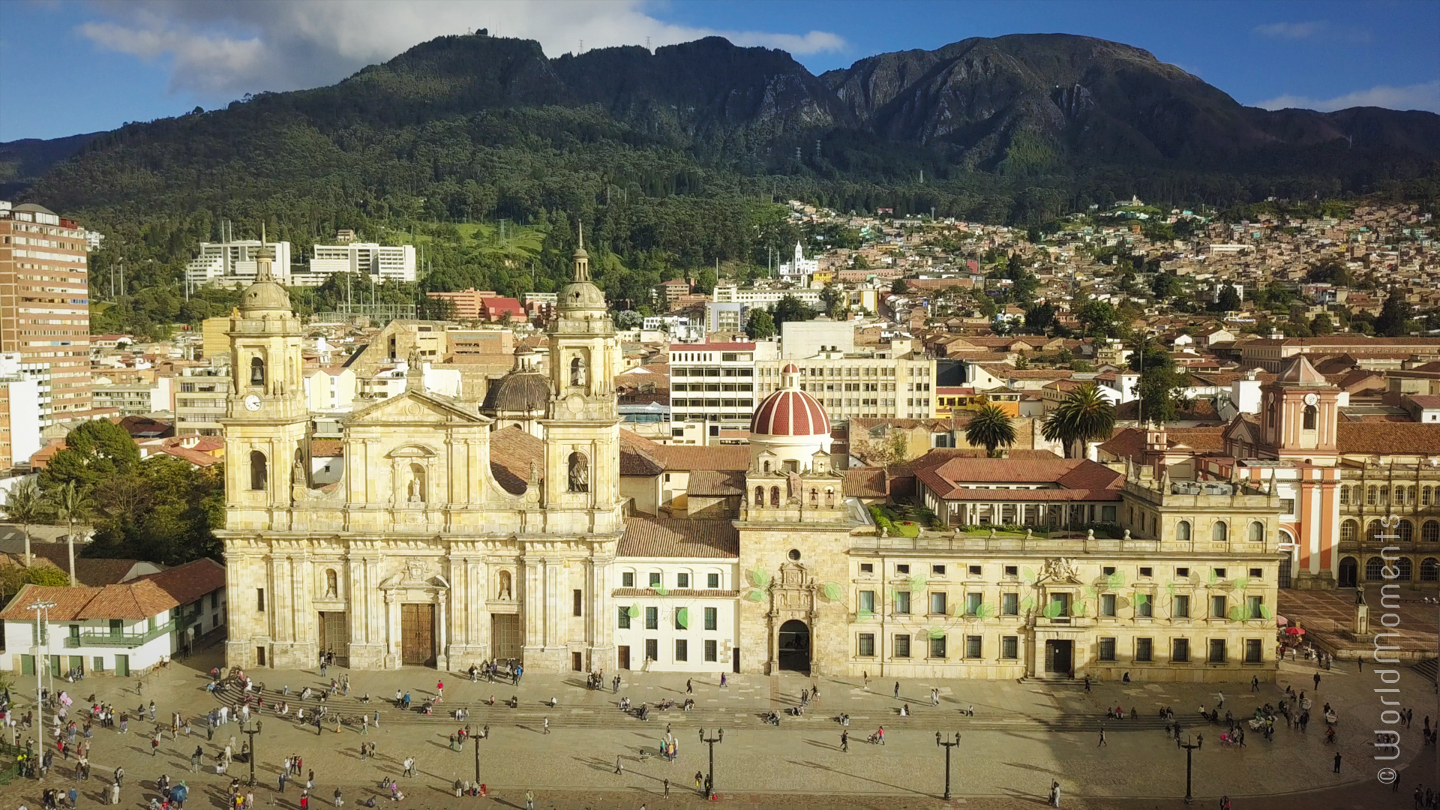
(517, 392)
(264, 295)
(581, 295)
(790, 411)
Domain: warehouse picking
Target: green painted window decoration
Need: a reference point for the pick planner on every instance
(682, 618)
(832, 591)
(1116, 581)
(917, 584)
(759, 577)
(1241, 583)
(1028, 574)
(660, 590)
(634, 611)
(937, 632)
(1053, 609)
(1027, 604)
(755, 596)
(984, 611)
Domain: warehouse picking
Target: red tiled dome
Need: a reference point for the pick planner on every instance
(789, 412)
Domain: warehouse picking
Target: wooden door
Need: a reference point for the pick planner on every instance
(417, 633)
(505, 635)
(122, 665)
(335, 635)
(624, 656)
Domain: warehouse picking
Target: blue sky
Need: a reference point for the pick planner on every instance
(71, 66)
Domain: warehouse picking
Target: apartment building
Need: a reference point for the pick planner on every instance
(20, 409)
(732, 294)
(893, 381)
(714, 383)
(232, 263)
(134, 398)
(45, 303)
(200, 394)
(380, 262)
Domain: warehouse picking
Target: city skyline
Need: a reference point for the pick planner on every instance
(146, 60)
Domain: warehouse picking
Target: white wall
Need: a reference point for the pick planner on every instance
(667, 633)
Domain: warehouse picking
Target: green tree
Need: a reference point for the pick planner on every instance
(990, 428)
(760, 325)
(1040, 319)
(899, 287)
(1165, 285)
(1099, 319)
(26, 506)
(1229, 299)
(71, 505)
(1084, 415)
(94, 451)
(1394, 317)
(833, 300)
(1161, 395)
(1322, 325)
(789, 309)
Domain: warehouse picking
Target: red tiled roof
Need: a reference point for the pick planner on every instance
(865, 482)
(326, 448)
(147, 596)
(679, 537)
(1388, 438)
(187, 583)
(688, 457)
(789, 412)
(715, 483)
(513, 454)
(1076, 479)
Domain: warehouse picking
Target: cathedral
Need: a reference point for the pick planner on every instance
(421, 554)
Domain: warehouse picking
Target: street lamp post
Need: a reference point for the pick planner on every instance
(1190, 748)
(255, 728)
(710, 780)
(40, 636)
(484, 736)
(948, 745)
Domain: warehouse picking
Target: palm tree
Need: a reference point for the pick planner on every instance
(71, 505)
(990, 427)
(25, 506)
(1084, 415)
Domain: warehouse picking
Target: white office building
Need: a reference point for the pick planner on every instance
(230, 264)
(380, 262)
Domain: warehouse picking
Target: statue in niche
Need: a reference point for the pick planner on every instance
(415, 490)
(577, 372)
(297, 472)
(579, 473)
(332, 585)
(505, 585)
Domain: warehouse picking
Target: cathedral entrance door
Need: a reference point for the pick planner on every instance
(795, 646)
(505, 633)
(335, 635)
(417, 634)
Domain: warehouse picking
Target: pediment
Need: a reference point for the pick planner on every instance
(415, 408)
(1240, 431)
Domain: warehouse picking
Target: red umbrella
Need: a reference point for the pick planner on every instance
(1281, 621)
(1294, 631)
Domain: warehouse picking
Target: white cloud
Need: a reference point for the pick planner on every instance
(1412, 97)
(221, 49)
(1317, 30)
(1289, 30)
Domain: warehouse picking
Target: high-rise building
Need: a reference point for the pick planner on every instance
(233, 263)
(45, 302)
(380, 262)
(20, 409)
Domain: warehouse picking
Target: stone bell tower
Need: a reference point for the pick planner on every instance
(266, 420)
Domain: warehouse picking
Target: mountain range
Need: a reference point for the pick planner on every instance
(1048, 106)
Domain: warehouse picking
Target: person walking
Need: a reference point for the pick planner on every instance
(282, 779)
(1102, 737)
(724, 683)
(547, 725)
(529, 800)
(897, 690)
(410, 767)
(1317, 681)
(689, 687)
(1337, 762)
(667, 789)
(845, 742)
(1255, 683)
(1054, 794)
(619, 765)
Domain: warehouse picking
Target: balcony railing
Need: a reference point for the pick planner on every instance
(129, 640)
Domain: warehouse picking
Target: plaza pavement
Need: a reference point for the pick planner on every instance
(1022, 736)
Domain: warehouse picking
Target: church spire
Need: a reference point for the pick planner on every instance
(582, 259)
(263, 258)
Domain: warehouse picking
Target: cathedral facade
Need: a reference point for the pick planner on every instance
(420, 554)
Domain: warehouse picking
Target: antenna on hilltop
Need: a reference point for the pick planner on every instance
(647, 43)
(582, 46)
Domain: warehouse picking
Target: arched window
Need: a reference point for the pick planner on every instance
(259, 470)
(1384, 496)
(774, 496)
(1219, 532)
(1430, 532)
(1344, 495)
(1182, 531)
(1370, 495)
(1373, 531)
(1406, 532)
(1406, 569)
(1425, 496)
(814, 495)
(759, 496)
(1373, 567)
(332, 584)
(257, 371)
(1257, 532)
(505, 592)
(766, 465)
(1309, 418)
(1348, 530)
(1429, 569)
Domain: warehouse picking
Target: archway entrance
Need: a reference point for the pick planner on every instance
(1348, 572)
(795, 646)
